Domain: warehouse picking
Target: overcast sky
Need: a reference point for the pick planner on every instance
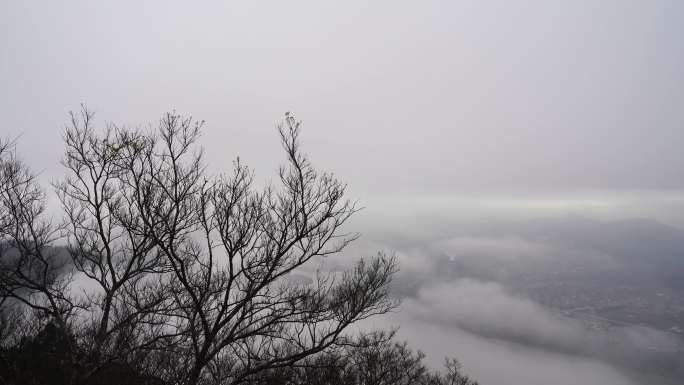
(430, 110)
(420, 99)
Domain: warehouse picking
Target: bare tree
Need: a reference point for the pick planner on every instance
(454, 376)
(179, 273)
(371, 359)
(123, 309)
(32, 271)
(161, 273)
(230, 249)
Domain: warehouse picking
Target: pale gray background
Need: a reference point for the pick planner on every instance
(467, 109)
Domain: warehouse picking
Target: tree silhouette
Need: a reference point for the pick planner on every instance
(160, 273)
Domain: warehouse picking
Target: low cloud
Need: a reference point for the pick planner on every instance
(502, 338)
(469, 293)
(497, 362)
(489, 310)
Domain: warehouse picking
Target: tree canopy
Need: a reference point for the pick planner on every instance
(161, 273)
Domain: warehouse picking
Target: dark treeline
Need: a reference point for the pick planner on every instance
(159, 273)
(48, 358)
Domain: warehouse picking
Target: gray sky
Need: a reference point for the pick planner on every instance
(421, 99)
